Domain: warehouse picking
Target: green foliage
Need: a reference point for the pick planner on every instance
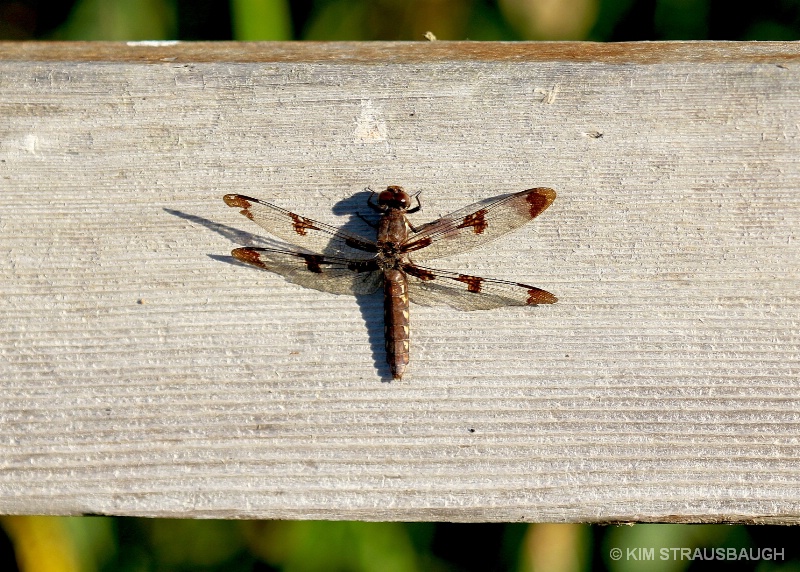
(94, 539)
(261, 20)
(600, 20)
(771, 30)
(105, 544)
(682, 19)
(120, 20)
(311, 546)
(667, 536)
(338, 20)
(193, 544)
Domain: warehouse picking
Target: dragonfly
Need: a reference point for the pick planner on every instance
(331, 259)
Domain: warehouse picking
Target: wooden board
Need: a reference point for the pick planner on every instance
(145, 373)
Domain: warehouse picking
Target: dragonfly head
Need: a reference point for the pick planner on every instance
(394, 197)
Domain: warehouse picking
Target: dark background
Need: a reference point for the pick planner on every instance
(598, 20)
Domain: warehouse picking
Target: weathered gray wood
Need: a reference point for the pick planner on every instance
(144, 374)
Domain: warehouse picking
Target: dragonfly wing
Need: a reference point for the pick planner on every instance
(307, 233)
(477, 224)
(430, 287)
(325, 273)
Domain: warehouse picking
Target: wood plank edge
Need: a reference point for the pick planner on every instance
(160, 52)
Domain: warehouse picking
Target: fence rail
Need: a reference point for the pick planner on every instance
(145, 372)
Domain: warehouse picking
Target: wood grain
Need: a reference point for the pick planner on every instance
(144, 372)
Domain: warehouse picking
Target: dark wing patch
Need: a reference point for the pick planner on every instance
(302, 225)
(325, 273)
(477, 224)
(473, 282)
(304, 232)
(430, 287)
(476, 221)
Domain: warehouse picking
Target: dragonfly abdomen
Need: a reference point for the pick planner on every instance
(395, 310)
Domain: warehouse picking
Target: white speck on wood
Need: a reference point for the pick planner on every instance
(29, 143)
(370, 128)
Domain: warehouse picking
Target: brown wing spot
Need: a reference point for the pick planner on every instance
(313, 262)
(473, 282)
(417, 244)
(476, 220)
(238, 201)
(539, 199)
(249, 256)
(302, 224)
(420, 273)
(539, 296)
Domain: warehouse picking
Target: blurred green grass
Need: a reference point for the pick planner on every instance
(105, 544)
(598, 20)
